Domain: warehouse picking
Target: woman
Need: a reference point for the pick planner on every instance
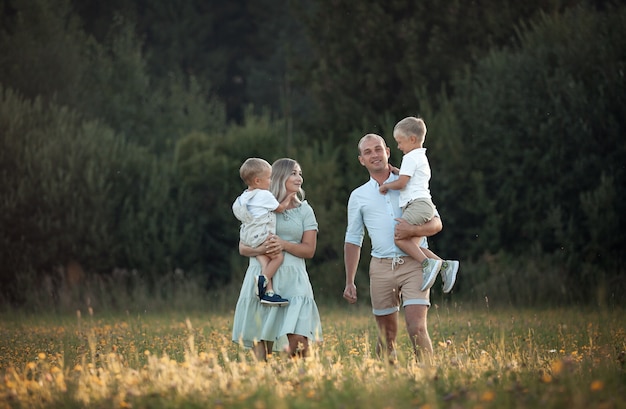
(265, 328)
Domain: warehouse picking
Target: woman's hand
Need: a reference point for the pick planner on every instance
(274, 245)
(271, 247)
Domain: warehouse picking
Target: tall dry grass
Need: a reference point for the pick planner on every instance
(484, 358)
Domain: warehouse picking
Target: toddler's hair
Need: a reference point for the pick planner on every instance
(411, 126)
(252, 168)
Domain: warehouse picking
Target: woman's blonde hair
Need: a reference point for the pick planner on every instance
(281, 170)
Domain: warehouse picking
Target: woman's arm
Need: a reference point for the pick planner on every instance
(248, 251)
(274, 245)
(304, 249)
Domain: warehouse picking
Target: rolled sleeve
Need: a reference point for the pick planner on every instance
(355, 230)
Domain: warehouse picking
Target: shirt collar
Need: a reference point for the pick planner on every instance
(391, 178)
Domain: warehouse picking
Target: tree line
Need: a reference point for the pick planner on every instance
(123, 125)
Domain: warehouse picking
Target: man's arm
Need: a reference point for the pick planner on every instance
(351, 257)
(405, 230)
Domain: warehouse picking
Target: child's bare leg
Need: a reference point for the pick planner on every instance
(260, 286)
(430, 267)
(428, 253)
(411, 248)
(264, 261)
(270, 270)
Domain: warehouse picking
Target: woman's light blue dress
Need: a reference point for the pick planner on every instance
(254, 321)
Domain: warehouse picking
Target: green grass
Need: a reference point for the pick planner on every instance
(484, 358)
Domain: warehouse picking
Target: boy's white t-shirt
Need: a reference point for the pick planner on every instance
(255, 211)
(260, 202)
(415, 165)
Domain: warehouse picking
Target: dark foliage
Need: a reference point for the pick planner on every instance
(123, 124)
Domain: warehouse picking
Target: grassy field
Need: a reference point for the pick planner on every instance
(484, 358)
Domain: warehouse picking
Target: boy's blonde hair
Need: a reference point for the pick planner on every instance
(252, 168)
(411, 126)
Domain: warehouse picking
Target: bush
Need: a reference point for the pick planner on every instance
(542, 152)
(74, 191)
(60, 178)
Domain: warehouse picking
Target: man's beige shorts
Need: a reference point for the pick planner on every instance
(418, 211)
(391, 283)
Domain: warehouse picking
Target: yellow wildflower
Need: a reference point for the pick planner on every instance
(596, 386)
(546, 377)
(488, 396)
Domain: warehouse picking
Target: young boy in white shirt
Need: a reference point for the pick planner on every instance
(415, 199)
(255, 209)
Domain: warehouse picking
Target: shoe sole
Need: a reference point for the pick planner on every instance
(453, 281)
(429, 283)
(274, 304)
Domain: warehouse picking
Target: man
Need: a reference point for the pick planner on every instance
(394, 276)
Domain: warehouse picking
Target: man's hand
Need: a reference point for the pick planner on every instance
(383, 189)
(404, 230)
(350, 293)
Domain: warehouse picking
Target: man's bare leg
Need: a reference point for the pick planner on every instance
(416, 324)
(387, 334)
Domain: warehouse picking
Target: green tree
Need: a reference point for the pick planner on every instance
(41, 49)
(73, 190)
(45, 52)
(241, 51)
(149, 110)
(62, 180)
(541, 146)
(207, 169)
(371, 58)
